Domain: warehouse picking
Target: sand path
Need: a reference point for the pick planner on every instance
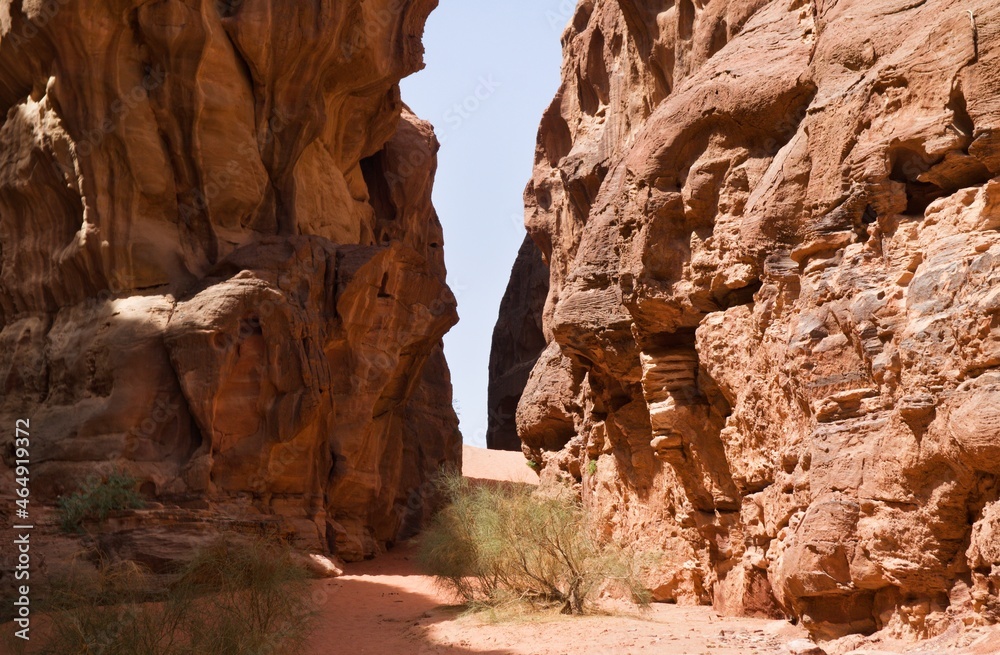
(386, 606)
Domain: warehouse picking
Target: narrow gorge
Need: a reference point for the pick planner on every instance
(753, 327)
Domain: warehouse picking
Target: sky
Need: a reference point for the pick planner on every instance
(491, 69)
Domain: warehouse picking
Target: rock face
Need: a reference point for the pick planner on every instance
(773, 323)
(221, 268)
(518, 340)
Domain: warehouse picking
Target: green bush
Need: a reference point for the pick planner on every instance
(108, 613)
(497, 544)
(254, 599)
(592, 467)
(97, 499)
(234, 598)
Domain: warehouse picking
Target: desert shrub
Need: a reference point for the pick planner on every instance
(97, 499)
(233, 598)
(254, 598)
(109, 613)
(496, 544)
(591, 467)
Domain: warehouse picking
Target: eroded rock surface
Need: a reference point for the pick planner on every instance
(221, 269)
(772, 323)
(518, 340)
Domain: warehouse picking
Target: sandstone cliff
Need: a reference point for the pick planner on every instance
(773, 326)
(517, 342)
(221, 269)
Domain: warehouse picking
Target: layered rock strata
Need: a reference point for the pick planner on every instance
(221, 269)
(773, 339)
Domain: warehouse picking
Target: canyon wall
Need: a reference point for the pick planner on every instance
(518, 340)
(772, 330)
(221, 269)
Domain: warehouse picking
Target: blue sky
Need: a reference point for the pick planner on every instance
(492, 68)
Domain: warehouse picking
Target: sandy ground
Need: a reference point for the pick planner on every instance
(387, 606)
(482, 464)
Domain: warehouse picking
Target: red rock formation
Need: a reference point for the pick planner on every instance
(518, 340)
(221, 269)
(771, 230)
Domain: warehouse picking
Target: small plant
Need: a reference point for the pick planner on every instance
(253, 599)
(533, 465)
(592, 467)
(234, 597)
(108, 612)
(495, 545)
(97, 499)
